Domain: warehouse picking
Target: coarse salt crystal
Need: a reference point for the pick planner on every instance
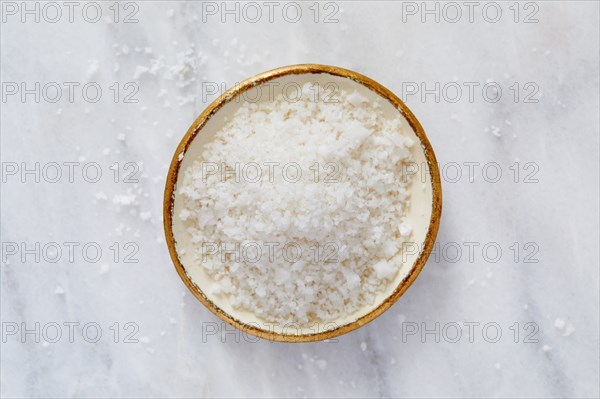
(570, 329)
(384, 269)
(546, 348)
(405, 229)
(559, 323)
(322, 364)
(92, 68)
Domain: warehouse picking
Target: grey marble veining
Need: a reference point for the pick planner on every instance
(541, 295)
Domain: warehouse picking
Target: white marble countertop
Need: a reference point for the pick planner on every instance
(541, 294)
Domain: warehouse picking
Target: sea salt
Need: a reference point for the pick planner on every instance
(569, 329)
(321, 363)
(559, 323)
(546, 348)
(104, 268)
(93, 68)
(359, 216)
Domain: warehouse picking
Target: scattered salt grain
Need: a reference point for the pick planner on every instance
(559, 323)
(119, 229)
(145, 216)
(546, 348)
(496, 131)
(322, 364)
(139, 71)
(566, 328)
(101, 196)
(570, 329)
(363, 346)
(124, 199)
(92, 68)
(59, 290)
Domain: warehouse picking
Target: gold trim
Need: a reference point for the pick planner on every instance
(241, 88)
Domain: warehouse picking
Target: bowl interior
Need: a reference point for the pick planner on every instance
(419, 213)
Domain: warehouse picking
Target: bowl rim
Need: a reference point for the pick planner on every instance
(238, 89)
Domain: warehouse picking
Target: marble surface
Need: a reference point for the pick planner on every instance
(168, 344)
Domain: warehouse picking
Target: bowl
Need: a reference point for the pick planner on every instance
(424, 211)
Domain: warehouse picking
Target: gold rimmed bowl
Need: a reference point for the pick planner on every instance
(424, 211)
